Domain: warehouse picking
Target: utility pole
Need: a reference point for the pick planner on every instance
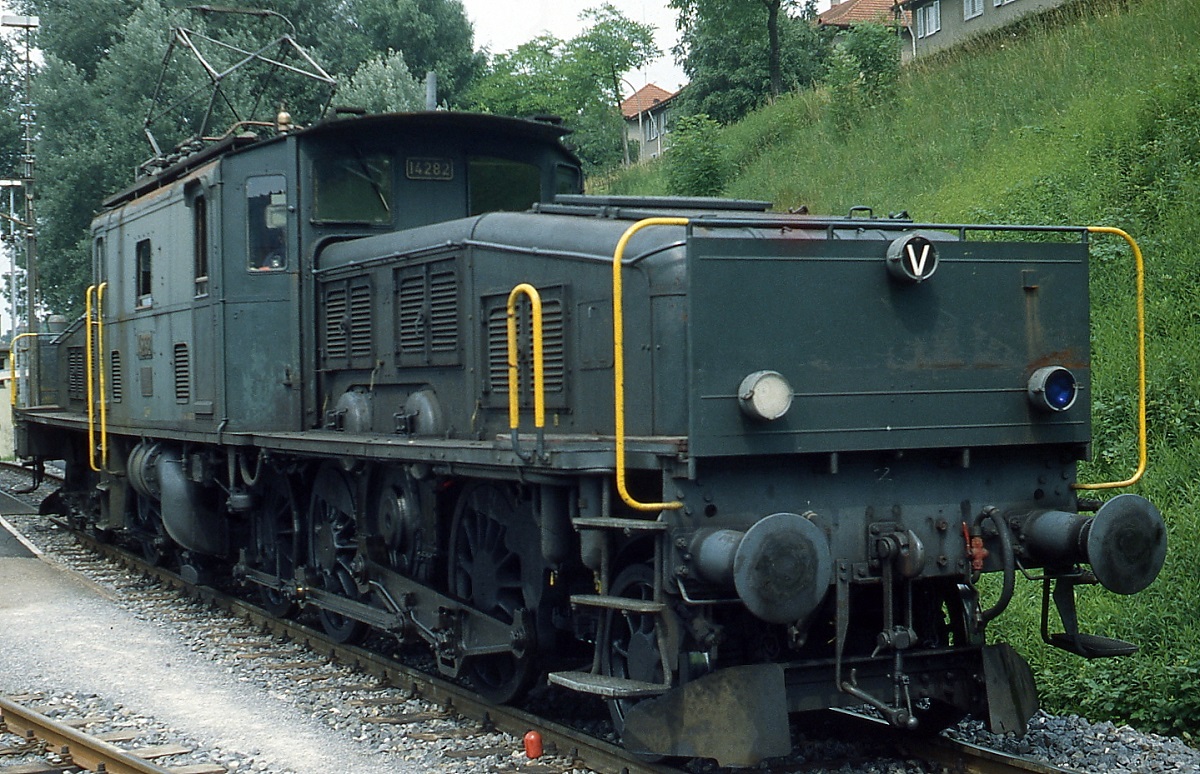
(28, 120)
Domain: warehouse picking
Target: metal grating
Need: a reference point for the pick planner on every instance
(443, 312)
(360, 321)
(427, 315)
(182, 363)
(76, 373)
(336, 341)
(553, 349)
(116, 387)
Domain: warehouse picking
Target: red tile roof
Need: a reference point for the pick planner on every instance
(644, 99)
(854, 12)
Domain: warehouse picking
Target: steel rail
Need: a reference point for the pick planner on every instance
(83, 750)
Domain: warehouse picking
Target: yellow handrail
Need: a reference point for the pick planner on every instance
(100, 370)
(12, 366)
(619, 363)
(89, 366)
(514, 375)
(1143, 454)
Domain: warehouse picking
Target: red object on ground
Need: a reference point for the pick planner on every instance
(533, 745)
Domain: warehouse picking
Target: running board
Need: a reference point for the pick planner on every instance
(606, 686)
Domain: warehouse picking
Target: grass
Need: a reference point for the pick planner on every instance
(1084, 116)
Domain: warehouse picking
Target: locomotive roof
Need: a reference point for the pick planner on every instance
(437, 121)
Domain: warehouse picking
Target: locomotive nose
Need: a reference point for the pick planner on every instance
(781, 567)
(1125, 542)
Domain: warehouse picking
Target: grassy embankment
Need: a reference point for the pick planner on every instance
(1085, 118)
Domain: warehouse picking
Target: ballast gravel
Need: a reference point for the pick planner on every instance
(79, 637)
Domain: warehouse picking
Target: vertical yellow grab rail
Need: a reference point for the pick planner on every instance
(1143, 453)
(100, 369)
(514, 372)
(94, 361)
(12, 366)
(619, 363)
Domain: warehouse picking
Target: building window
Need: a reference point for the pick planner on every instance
(929, 19)
(651, 126)
(143, 279)
(267, 218)
(200, 245)
(972, 8)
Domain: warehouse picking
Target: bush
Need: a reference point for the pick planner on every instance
(696, 163)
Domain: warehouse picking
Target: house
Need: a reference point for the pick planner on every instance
(940, 24)
(648, 118)
(843, 16)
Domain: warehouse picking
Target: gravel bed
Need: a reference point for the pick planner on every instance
(342, 711)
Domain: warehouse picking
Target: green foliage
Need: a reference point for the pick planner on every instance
(733, 67)
(578, 80)
(1068, 119)
(429, 34)
(383, 84)
(863, 73)
(695, 163)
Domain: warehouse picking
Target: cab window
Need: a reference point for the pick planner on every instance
(353, 188)
(266, 218)
(501, 184)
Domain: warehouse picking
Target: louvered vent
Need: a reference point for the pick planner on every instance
(443, 313)
(411, 295)
(336, 340)
(360, 322)
(182, 363)
(116, 387)
(76, 374)
(553, 350)
(427, 315)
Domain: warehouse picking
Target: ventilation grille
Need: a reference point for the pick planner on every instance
(76, 374)
(349, 340)
(335, 335)
(427, 315)
(116, 387)
(360, 321)
(182, 363)
(553, 351)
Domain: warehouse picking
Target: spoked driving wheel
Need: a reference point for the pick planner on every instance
(275, 540)
(333, 546)
(487, 571)
(630, 642)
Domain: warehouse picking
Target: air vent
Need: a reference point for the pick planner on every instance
(427, 315)
(553, 351)
(182, 363)
(76, 374)
(116, 387)
(335, 312)
(360, 321)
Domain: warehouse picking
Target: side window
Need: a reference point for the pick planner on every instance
(98, 269)
(266, 222)
(143, 280)
(502, 185)
(200, 245)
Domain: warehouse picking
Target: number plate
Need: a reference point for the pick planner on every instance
(429, 169)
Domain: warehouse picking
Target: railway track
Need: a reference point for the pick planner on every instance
(61, 745)
(571, 746)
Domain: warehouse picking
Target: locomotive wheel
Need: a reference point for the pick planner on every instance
(629, 640)
(333, 545)
(275, 540)
(486, 572)
(149, 531)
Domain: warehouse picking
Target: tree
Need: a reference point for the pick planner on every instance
(578, 80)
(739, 53)
(383, 85)
(696, 164)
(431, 35)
